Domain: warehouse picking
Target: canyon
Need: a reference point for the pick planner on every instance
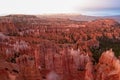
(50, 48)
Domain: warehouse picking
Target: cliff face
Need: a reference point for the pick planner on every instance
(68, 64)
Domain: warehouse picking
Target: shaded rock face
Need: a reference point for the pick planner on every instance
(108, 67)
(3, 37)
(8, 71)
(4, 75)
(23, 69)
(24, 60)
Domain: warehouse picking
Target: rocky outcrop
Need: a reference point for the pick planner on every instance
(89, 71)
(68, 62)
(28, 70)
(108, 67)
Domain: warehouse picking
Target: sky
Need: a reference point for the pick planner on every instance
(85, 7)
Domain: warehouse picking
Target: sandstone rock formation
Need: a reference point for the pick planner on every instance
(33, 48)
(108, 67)
(89, 73)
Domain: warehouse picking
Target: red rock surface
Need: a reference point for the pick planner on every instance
(108, 67)
(33, 48)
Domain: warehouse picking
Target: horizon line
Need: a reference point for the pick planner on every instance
(45, 14)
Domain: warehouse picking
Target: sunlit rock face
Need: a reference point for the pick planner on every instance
(108, 67)
(68, 64)
(80, 59)
(20, 45)
(89, 71)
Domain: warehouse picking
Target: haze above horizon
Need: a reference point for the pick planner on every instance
(85, 7)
